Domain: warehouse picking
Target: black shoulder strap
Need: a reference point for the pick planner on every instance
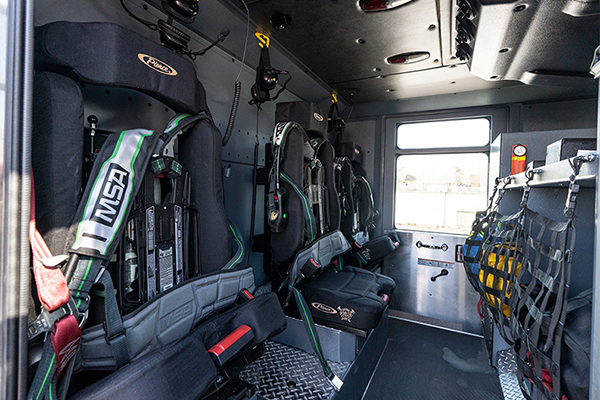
(277, 217)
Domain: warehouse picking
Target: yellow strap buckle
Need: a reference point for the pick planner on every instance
(263, 40)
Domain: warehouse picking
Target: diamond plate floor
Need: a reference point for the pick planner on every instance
(507, 372)
(285, 372)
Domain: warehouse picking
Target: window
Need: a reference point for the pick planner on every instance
(441, 174)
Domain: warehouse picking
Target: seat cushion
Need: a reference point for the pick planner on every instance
(378, 248)
(183, 369)
(352, 297)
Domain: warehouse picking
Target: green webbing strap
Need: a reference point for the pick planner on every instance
(322, 251)
(44, 382)
(238, 240)
(309, 219)
(314, 338)
(86, 272)
(115, 332)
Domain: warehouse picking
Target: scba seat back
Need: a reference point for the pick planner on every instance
(67, 54)
(306, 206)
(359, 215)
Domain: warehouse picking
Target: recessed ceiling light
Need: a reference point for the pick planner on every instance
(281, 21)
(520, 8)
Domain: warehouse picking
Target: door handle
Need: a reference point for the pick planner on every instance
(443, 272)
(458, 255)
(443, 247)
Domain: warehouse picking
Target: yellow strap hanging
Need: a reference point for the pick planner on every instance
(333, 98)
(263, 40)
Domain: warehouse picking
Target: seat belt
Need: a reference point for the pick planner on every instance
(59, 315)
(307, 263)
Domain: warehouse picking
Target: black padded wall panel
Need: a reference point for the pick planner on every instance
(57, 155)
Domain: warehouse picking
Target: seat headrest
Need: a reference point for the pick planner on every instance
(350, 150)
(107, 54)
(305, 113)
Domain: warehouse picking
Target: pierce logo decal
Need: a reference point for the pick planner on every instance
(157, 65)
(111, 197)
(324, 308)
(318, 117)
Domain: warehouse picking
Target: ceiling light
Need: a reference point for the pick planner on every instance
(380, 5)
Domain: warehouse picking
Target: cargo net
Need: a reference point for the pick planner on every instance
(500, 265)
(489, 255)
(540, 302)
(521, 265)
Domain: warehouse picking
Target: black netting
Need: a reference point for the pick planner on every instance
(500, 264)
(521, 265)
(539, 309)
(472, 250)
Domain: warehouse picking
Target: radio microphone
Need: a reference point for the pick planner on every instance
(222, 35)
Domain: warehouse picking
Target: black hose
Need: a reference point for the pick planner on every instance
(233, 113)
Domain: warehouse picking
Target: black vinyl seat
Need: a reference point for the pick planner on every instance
(350, 297)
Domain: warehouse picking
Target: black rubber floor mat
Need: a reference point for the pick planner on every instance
(426, 363)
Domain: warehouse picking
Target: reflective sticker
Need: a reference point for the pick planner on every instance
(435, 263)
(279, 133)
(110, 194)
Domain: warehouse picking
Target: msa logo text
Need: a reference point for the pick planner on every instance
(111, 196)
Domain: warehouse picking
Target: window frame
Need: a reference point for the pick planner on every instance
(499, 122)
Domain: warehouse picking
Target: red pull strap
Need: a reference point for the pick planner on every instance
(65, 338)
(52, 287)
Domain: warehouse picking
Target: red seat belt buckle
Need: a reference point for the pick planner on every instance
(65, 337)
(243, 296)
(385, 298)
